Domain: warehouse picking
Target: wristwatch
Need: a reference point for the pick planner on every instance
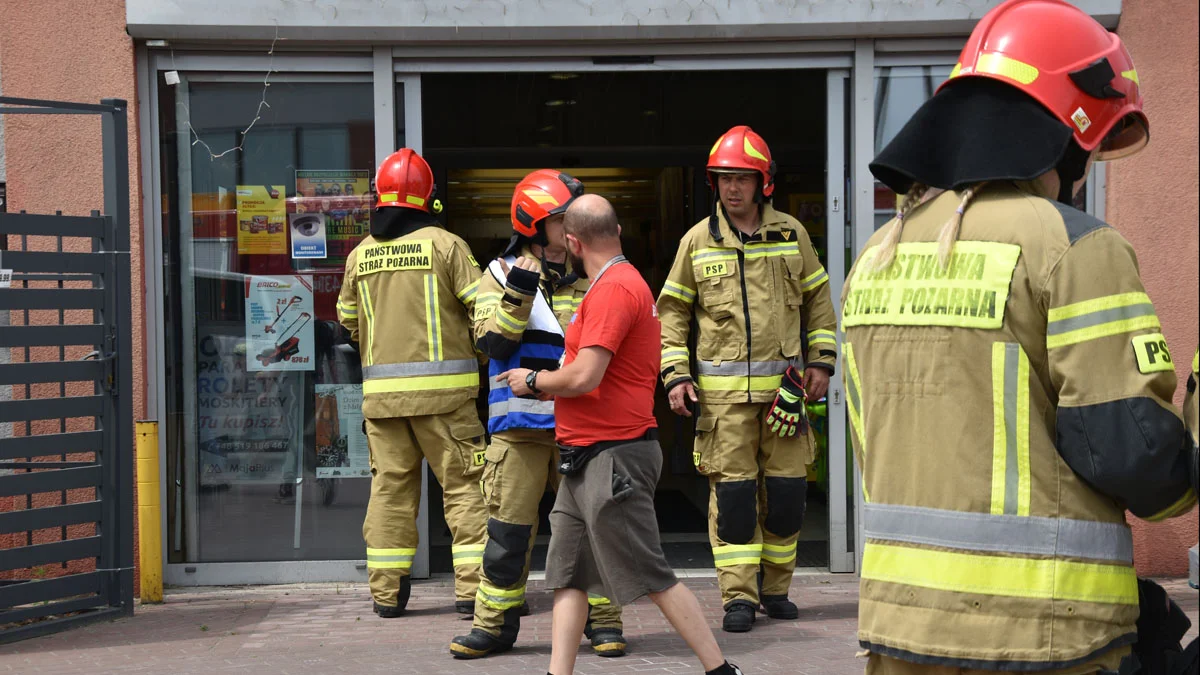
(531, 381)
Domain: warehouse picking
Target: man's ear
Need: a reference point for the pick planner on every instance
(618, 230)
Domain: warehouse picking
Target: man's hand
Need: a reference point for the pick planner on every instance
(522, 263)
(679, 396)
(816, 383)
(516, 380)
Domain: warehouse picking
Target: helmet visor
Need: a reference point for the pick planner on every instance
(1126, 138)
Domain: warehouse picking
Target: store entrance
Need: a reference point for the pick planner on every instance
(639, 139)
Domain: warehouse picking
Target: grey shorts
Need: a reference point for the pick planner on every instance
(604, 543)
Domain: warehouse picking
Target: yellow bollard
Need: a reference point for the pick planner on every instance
(149, 512)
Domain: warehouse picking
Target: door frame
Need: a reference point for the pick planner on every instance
(388, 66)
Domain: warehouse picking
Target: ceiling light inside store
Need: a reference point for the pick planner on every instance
(563, 76)
(558, 102)
(649, 113)
(548, 127)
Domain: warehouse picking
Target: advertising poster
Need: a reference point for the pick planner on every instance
(341, 444)
(344, 198)
(250, 425)
(279, 323)
(308, 235)
(262, 217)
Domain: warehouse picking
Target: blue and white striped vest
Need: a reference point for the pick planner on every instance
(541, 348)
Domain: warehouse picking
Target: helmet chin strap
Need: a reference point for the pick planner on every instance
(1071, 168)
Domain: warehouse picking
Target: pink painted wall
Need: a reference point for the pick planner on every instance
(71, 51)
(1152, 200)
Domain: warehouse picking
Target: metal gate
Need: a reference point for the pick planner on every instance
(66, 418)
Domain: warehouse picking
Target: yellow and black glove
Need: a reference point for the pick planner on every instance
(788, 414)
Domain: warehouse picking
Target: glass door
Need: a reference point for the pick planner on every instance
(265, 192)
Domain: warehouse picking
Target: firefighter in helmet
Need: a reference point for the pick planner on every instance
(1009, 386)
(526, 298)
(406, 299)
(751, 281)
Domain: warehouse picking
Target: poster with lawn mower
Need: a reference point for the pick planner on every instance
(279, 323)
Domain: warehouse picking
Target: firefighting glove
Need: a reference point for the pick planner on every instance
(788, 414)
(523, 281)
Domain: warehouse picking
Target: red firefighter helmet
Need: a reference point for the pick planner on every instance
(405, 180)
(741, 150)
(1073, 66)
(542, 194)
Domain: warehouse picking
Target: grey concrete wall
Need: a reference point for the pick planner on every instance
(559, 20)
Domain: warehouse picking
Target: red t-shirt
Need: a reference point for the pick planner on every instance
(618, 314)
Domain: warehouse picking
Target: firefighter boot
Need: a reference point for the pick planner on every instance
(739, 617)
(779, 607)
(607, 642)
(464, 606)
(480, 643)
(386, 612)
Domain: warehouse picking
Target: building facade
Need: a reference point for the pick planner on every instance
(257, 126)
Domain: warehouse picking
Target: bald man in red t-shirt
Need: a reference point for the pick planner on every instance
(604, 533)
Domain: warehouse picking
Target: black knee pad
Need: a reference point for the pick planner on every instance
(785, 505)
(504, 554)
(737, 511)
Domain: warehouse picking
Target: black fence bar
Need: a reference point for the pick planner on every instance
(49, 481)
(51, 336)
(61, 371)
(51, 609)
(51, 298)
(54, 552)
(25, 262)
(50, 516)
(81, 108)
(40, 590)
(50, 408)
(41, 224)
(117, 456)
(51, 444)
(55, 625)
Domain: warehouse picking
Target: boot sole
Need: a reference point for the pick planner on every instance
(610, 649)
(465, 653)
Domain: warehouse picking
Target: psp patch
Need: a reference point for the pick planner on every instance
(479, 457)
(1152, 353)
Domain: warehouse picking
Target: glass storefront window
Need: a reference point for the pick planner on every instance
(899, 91)
(266, 455)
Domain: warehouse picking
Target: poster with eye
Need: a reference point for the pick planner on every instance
(341, 444)
(344, 200)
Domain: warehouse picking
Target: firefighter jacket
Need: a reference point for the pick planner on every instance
(759, 307)
(1006, 411)
(518, 329)
(407, 303)
(1191, 417)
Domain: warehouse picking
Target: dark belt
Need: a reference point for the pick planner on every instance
(572, 458)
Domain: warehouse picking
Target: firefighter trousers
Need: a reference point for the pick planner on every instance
(453, 444)
(521, 464)
(757, 491)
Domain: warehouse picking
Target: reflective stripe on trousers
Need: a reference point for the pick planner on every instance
(390, 558)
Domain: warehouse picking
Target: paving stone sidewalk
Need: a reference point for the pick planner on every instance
(329, 628)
